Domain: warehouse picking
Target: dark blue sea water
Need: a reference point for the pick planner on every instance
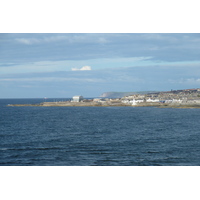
(97, 136)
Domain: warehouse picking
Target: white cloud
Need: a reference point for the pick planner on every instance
(69, 38)
(27, 40)
(51, 79)
(188, 81)
(82, 68)
(30, 41)
(193, 80)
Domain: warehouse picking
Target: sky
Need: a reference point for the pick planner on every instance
(38, 65)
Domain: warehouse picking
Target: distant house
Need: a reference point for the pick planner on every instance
(152, 100)
(77, 98)
(136, 101)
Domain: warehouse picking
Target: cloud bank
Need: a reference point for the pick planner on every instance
(120, 62)
(95, 82)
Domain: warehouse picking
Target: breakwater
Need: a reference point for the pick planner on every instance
(70, 104)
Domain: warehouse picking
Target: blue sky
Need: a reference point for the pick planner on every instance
(67, 64)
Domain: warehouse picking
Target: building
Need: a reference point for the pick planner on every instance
(77, 98)
(136, 101)
(153, 100)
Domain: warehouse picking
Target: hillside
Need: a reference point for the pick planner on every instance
(121, 94)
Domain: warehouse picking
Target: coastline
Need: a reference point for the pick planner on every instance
(106, 104)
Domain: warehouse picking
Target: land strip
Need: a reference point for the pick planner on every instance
(189, 98)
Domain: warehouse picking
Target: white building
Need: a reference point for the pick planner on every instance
(135, 102)
(126, 101)
(152, 100)
(139, 100)
(77, 98)
(174, 101)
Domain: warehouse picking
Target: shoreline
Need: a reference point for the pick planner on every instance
(105, 104)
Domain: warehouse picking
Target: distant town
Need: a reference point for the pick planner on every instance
(187, 98)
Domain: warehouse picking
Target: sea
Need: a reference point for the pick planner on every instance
(97, 136)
